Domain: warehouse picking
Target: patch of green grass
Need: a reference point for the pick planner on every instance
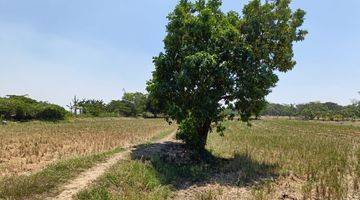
(131, 180)
(35, 185)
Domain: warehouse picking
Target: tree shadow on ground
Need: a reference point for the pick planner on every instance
(182, 168)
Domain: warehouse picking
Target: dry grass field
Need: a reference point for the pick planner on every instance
(309, 160)
(28, 147)
(272, 159)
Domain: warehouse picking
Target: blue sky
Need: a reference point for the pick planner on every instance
(54, 49)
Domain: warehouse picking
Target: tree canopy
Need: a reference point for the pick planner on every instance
(23, 108)
(213, 60)
(132, 104)
(92, 107)
(137, 99)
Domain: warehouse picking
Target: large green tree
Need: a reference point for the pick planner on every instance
(213, 59)
(138, 99)
(92, 107)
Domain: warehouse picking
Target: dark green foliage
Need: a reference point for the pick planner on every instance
(92, 107)
(312, 110)
(51, 113)
(137, 99)
(131, 105)
(273, 109)
(122, 108)
(17, 108)
(213, 60)
(22, 108)
(326, 111)
(152, 106)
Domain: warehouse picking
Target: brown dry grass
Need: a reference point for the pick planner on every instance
(273, 159)
(314, 160)
(28, 147)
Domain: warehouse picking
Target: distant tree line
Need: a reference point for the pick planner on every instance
(137, 104)
(314, 110)
(23, 108)
(131, 105)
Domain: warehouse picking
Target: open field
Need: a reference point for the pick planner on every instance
(309, 159)
(273, 159)
(28, 147)
(349, 123)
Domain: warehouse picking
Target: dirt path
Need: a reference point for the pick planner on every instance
(86, 178)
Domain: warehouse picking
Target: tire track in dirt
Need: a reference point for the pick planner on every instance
(86, 178)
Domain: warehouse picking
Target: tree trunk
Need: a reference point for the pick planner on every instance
(203, 132)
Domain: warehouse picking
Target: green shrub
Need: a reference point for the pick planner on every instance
(52, 113)
(17, 109)
(21, 108)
